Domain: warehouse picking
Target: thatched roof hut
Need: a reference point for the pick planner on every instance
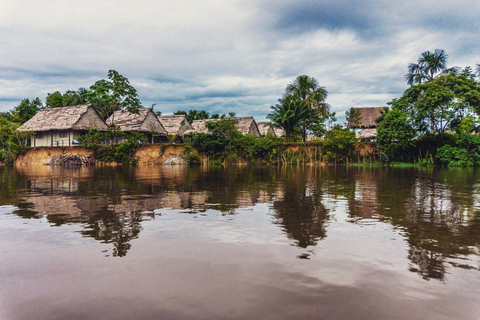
(265, 127)
(175, 124)
(367, 118)
(62, 126)
(245, 125)
(80, 118)
(145, 121)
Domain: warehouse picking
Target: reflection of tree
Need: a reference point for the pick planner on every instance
(118, 229)
(437, 211)
(428, 264)
(300, 210)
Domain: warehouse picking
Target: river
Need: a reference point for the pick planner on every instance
(173, 242)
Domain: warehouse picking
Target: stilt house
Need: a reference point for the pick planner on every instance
(62, 126)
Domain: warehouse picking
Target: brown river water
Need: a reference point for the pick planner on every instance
(173, 242)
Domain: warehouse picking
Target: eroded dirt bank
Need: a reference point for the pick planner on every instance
(45, 155)
(145, 155)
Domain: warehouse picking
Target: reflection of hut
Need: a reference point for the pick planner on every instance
(145, 122)
(175, 124)
(265, 127)
(366, 122)
(62, 126)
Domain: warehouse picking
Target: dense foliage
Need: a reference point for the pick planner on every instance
(116, 93)
(395, 134)
(434, 121)
(302, 110)
(106, 146)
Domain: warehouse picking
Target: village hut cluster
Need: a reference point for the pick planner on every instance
(61, 127)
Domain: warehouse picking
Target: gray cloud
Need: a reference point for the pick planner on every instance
(227, 56)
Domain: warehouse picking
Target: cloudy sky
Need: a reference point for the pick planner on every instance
(228, 56)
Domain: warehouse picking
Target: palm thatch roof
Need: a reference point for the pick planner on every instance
(245, 125)
(175, 124)
(265, 127)
(81, 117)
(366, 134)
(198, 126)
(144, 121)
(367, 118)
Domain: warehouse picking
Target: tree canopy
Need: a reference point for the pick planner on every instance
(289, 114)
(26, 110)
(116, 93)
(429, 65)
(436, 105)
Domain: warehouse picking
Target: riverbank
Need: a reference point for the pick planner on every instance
(158, 154)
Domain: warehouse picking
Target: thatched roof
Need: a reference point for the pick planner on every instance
(245, 125)
(144, 121)
(368, 117)
(367, 134)
(198, 126)
(175, 124)
(65, 118)
(265, 127)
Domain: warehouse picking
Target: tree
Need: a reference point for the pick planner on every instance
(69, 98)
(429, 65)
(395, 133)
(194, 114)
(74, 98)
(339, 143)
(436, 105)
(26, 110)
(54, 100)
(307, 89)
(354, 117)
(116, 93)
(289, 115)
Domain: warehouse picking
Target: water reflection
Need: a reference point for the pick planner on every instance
(436, 211)
(298, 207)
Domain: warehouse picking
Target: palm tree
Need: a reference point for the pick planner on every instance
(289, 115)
(430, 64)
(307, 89)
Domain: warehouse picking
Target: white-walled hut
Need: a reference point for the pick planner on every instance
(265, 127)
(367, 123)
(145, 122)
(62, 126)
(175, 124)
